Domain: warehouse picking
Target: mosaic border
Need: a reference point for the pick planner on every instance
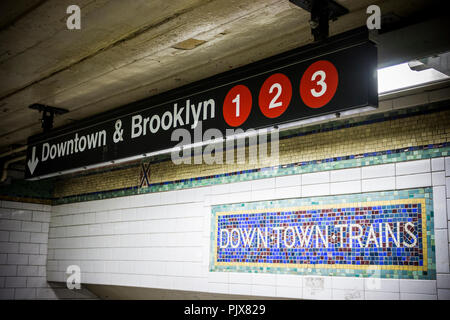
(335, 163)
(343, 162)
(424, 195)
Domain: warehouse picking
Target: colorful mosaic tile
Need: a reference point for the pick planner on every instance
(383, 234)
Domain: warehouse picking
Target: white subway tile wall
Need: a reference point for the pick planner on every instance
(24, 230)
(162, 240)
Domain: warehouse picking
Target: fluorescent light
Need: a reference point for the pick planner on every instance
(401, 76)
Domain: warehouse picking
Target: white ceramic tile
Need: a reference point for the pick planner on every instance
(262, 195)
(263, 184)
(32, 206)
(240, 289)
(236, 277)
(217, 199)
(413, 181)
(219, 277)
(438, 178)
(8, 270)
(31, 248)
(379, 295)
(437, 164)
(443, 294)
(16, 282)
(443, 280)
(317, 294)
(222, 288)
(345, 175)
(185, 196)
(418, 286)
(315, 190)
(12, 204)
(265, 291)
(440, 207)
(288, 181)
(348, 294)
(416, 296)
(447, 166)
(24, 293)
(447, 185)
(288, 192)
(220, 188)
(378, 184)
(13, 225)
(289, 280)
(345, 187)
(31, 226)
(442, 252)
(264, 279)
(18, 236)
(378, 171)
(289, 292)
(6, 294)
(383, 285)
(41, 216)
(27, 271)
(347, 283)
(168, 197)
(241, 186)
(413, 167)
(4, 236)
(317, 282)
(316, 178)
(10, 247)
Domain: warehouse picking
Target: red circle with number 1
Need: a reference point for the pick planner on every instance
(319, 84)
(275, 95)
(237, 105)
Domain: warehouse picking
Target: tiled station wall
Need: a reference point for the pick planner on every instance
(23, 254)
(416, 130)
(162, 239)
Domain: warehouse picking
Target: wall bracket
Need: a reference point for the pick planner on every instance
(321, 12)
(48, 114)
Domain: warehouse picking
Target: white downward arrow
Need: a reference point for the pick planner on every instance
(32, 163)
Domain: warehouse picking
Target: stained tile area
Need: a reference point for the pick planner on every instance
(381, 234)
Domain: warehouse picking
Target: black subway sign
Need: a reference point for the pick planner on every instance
(276, 91)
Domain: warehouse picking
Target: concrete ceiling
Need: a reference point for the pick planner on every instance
(130, 50)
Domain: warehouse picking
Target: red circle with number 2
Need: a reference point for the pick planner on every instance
(319, 84)
(275, 95)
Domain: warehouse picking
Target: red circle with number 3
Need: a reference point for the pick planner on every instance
(319, 84)
(237, 105)
(275, 95)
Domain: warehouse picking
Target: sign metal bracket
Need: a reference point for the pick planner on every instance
(48, 114)
(321, 12)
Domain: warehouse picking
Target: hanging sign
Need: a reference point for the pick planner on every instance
(300, 84)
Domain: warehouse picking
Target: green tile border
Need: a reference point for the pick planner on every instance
(426, 152)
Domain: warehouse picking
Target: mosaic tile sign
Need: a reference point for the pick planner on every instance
(385, 234)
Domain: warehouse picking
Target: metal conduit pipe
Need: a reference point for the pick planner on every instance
(8, 153)
(6, 165)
